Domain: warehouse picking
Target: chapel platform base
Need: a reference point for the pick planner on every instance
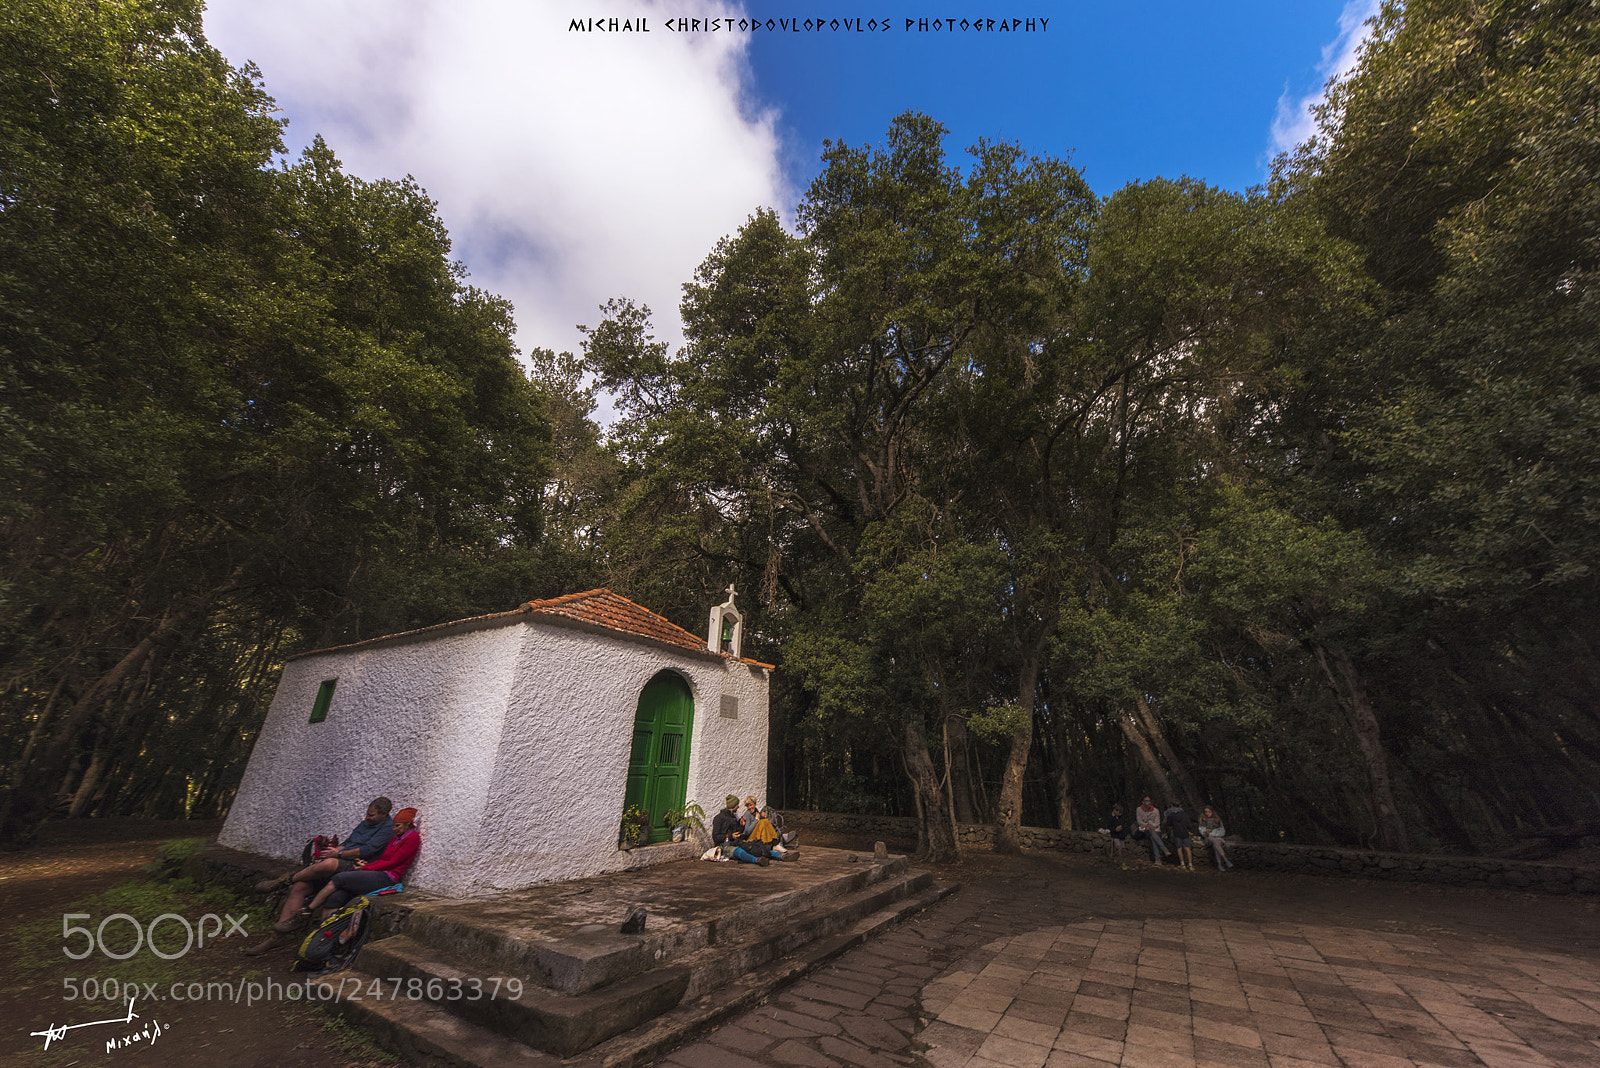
(720, 937)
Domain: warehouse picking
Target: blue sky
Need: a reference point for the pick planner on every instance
(1130, 90)
(571, 167)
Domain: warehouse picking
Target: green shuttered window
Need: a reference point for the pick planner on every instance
(319, 710)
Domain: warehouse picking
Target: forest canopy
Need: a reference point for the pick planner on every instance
(1279, 501)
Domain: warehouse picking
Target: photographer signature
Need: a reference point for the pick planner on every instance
(148, 1033)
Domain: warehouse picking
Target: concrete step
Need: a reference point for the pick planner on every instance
(566, 1024)
(426, 1033)
(552, 937)
(643, 1045)
(430, 1033)
(539, 1018)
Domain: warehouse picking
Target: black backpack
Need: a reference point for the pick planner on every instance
(326, 948)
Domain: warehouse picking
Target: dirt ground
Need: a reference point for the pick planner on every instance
(71, 870)
(75, 868)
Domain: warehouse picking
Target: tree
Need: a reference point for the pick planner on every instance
(246, 408)
(1459, 157)
(807, 408)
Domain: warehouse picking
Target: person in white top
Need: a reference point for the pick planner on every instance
(1147, 820)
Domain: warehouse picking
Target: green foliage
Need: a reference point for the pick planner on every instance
(997, 723)
(1280, 495)
(1463, 162)
(1453, 427)
(634, 822)
(690, 816)
(244, 407)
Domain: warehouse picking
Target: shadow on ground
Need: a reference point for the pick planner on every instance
(1018, 929)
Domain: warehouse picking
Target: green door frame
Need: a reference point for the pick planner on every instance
(658, 763)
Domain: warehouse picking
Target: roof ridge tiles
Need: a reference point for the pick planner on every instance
(616, 612)
(608, 610)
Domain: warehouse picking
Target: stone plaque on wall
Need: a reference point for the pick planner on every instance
(730, 706)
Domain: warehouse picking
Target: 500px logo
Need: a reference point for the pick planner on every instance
(194, 934)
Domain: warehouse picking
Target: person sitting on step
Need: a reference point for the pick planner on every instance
(759, 830)
(388, 868)
(727, 833)
(364, 842)
(1212, 830)
(1147, 820)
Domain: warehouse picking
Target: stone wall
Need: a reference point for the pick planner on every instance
(1262, 856)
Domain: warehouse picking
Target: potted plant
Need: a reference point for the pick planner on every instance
(691, 817)
(635, 830)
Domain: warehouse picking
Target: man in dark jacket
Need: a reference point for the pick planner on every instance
(1119, 831)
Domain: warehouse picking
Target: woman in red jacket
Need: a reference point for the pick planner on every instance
(388, 868)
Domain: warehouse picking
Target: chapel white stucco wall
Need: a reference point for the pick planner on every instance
(560, 778)
(512, 742)
(414, 722)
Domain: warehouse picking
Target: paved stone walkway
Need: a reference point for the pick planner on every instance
(1165, 993)
(972, 983)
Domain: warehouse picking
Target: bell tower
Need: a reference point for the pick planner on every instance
(726, 633)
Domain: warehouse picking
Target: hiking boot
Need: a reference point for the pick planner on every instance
(267, 886)
(293, 923)
(763, 860)
(266, 945)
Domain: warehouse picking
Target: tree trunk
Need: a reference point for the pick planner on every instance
(1061, 769)
(1008, 829)
(1134, 732)
(1158, 738)
(936, 832)
(1391, 829)
(960, 769)
(38, 729)
(91, 778)
(28, 802)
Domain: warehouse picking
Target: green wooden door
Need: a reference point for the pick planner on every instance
(658, 765)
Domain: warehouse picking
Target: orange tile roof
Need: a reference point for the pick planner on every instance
(615, 612)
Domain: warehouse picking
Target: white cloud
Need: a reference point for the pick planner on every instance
(569, 167)
(1294, 124)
